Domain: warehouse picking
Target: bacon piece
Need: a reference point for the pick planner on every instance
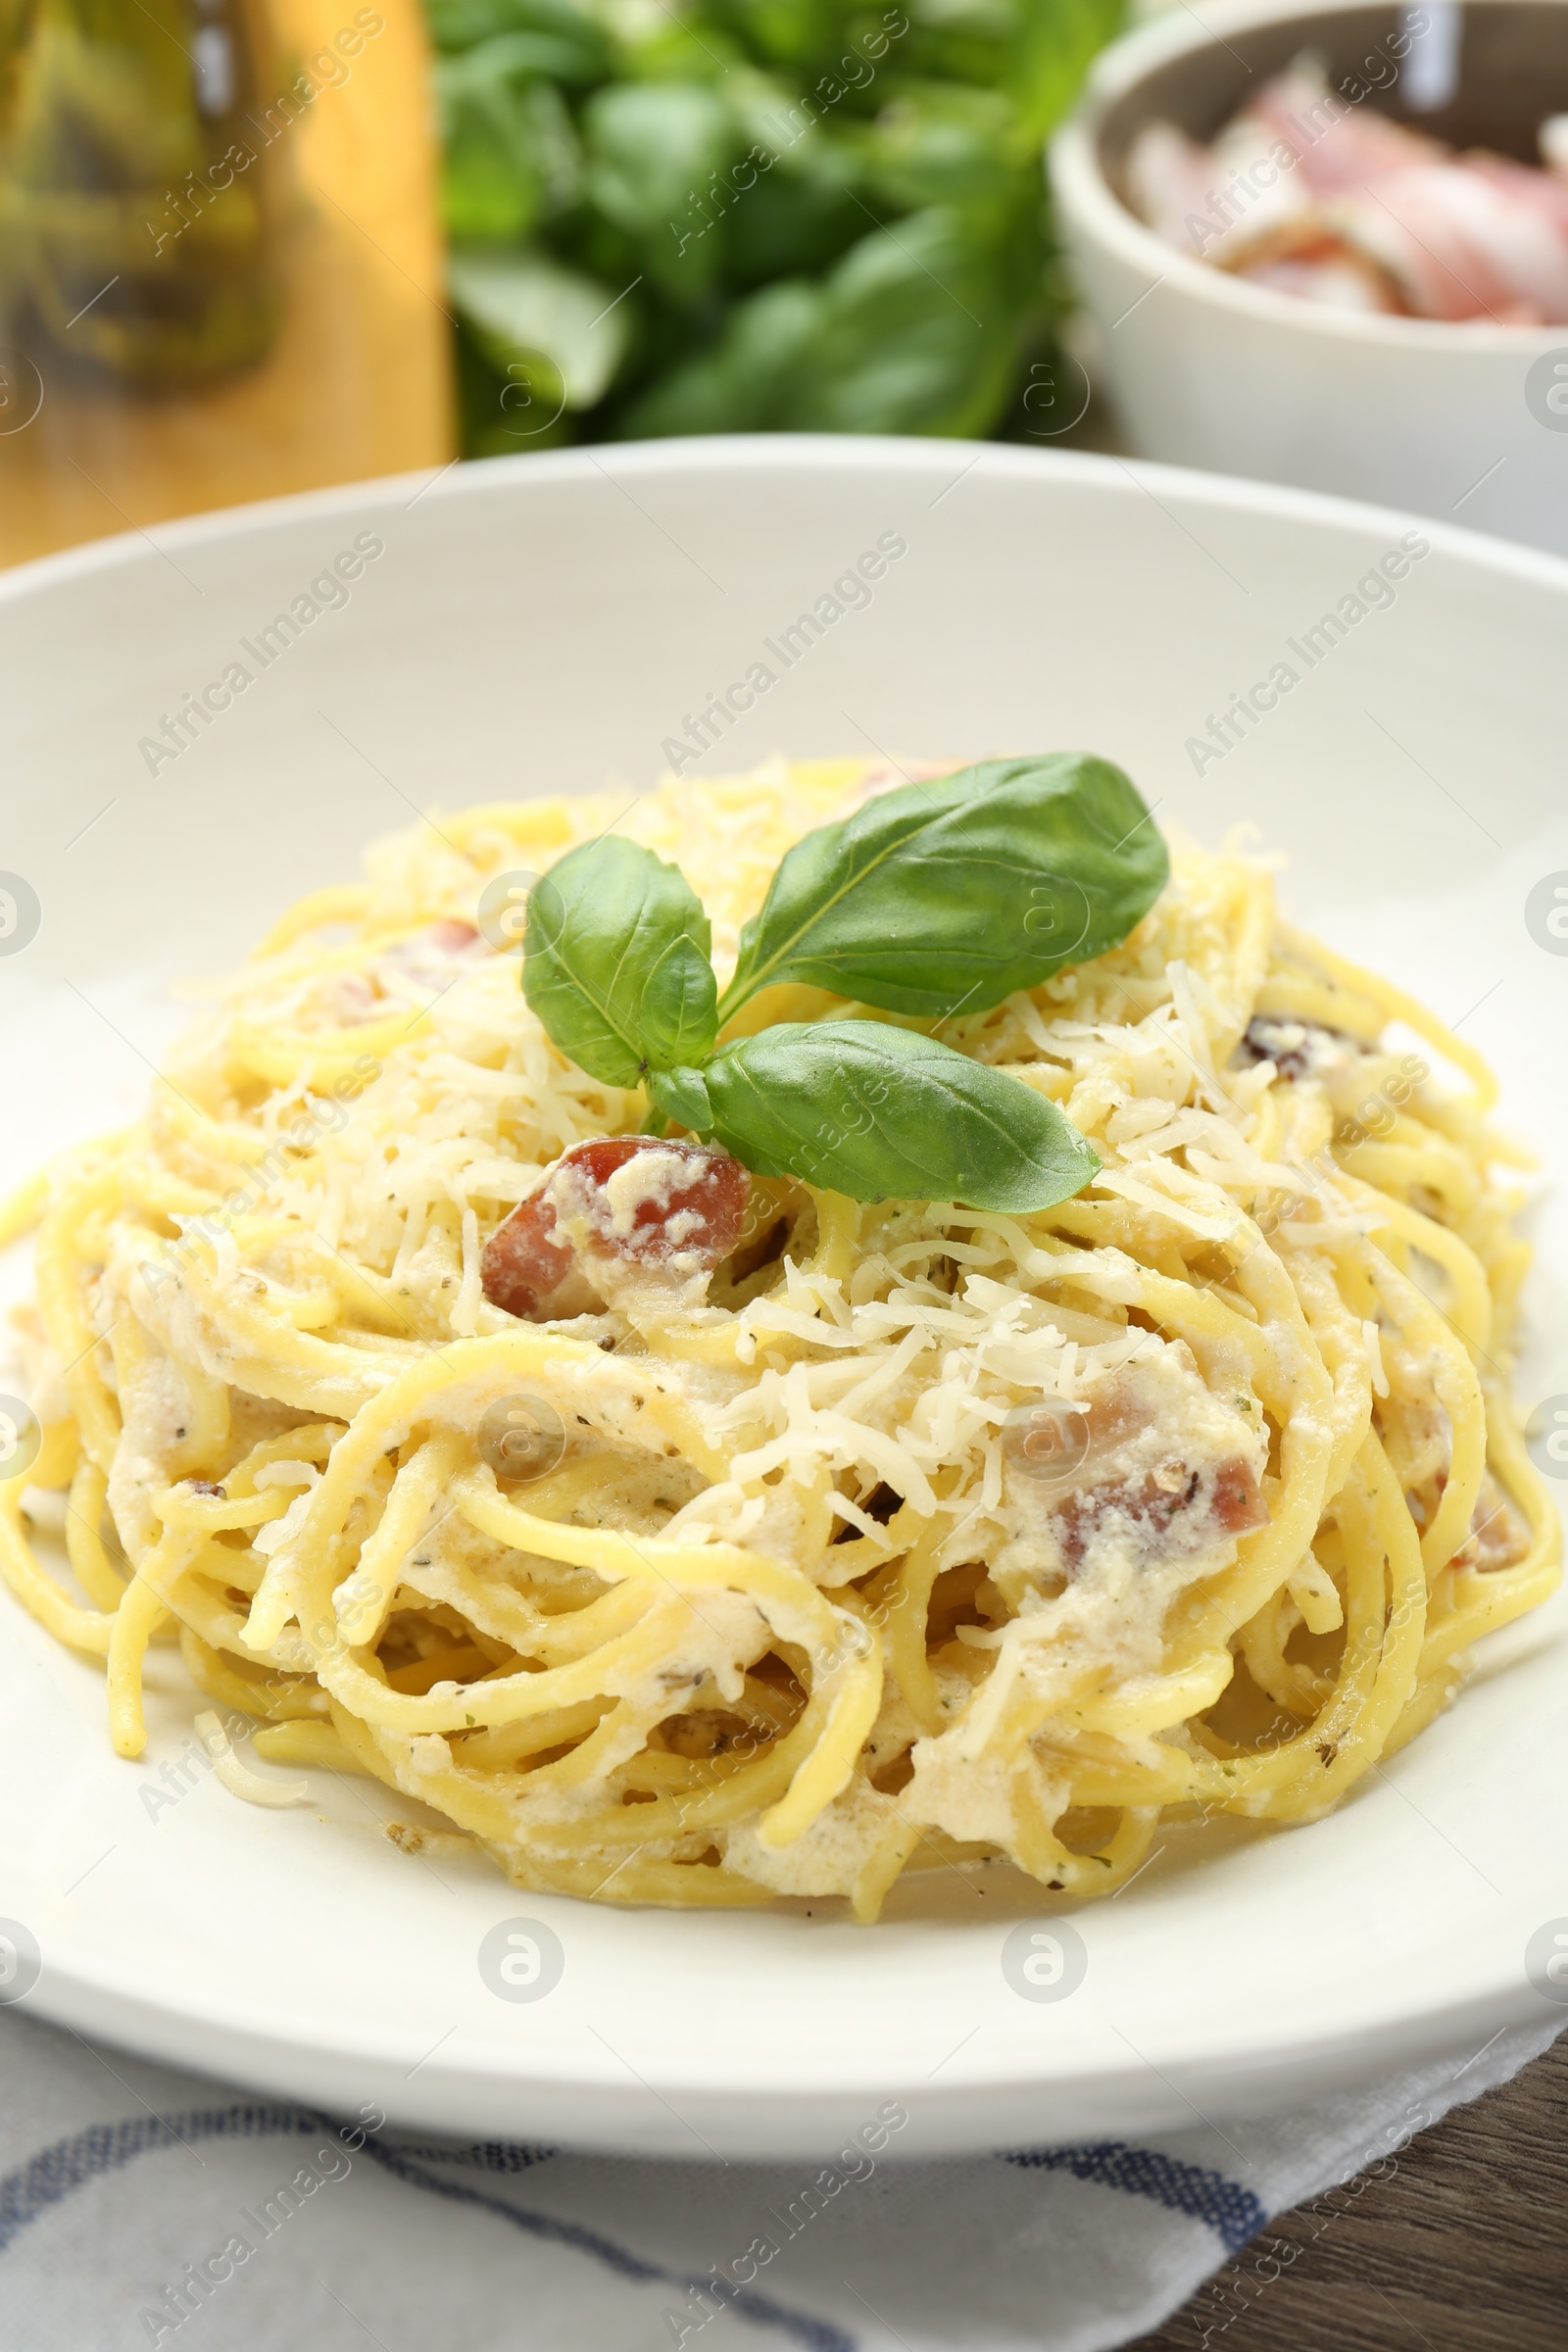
(424, 962)
(1297, 1049)
(1371, 215)
(1149, 1460)
(524, 1263)
(1173, 1508)
(1498, 1537)
(351, 1000)
(1237, 1500)
(616, 1202)
(1170, 178)
(1462, 242)
(1337, 145)
(1285, 1043)
(1326, 269)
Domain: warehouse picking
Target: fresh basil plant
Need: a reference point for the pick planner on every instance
(929, 900)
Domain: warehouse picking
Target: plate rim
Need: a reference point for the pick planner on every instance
(1009, 2105)
(783, 452)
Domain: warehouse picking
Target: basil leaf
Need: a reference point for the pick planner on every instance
(615, 961)
(948, 896)
(882, 1113)
(682, 1094)
(538, 325)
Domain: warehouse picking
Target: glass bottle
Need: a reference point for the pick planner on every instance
(219, 269)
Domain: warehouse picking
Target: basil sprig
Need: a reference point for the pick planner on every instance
(949, 896)
(929, 900)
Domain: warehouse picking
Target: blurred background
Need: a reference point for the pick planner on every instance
(255, 246)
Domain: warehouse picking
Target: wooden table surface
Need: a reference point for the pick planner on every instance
(1460, 2246)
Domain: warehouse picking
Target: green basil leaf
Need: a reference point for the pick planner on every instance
(650, 148)
(682, 1094)
(884, 1114)
(539, 327)
(942, 144)
(571, 46)
(615, 961)
(948, 896)
(885, 343)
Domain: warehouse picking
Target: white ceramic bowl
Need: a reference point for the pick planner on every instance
(538, 624)
(1206, 370)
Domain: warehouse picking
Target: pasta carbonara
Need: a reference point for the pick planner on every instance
(683, 1539)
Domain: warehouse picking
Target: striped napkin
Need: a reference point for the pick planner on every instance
(140, 2207)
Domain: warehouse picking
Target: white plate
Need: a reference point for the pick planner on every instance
(536, 626)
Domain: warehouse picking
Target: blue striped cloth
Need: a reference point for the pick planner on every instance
(140, 2207)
